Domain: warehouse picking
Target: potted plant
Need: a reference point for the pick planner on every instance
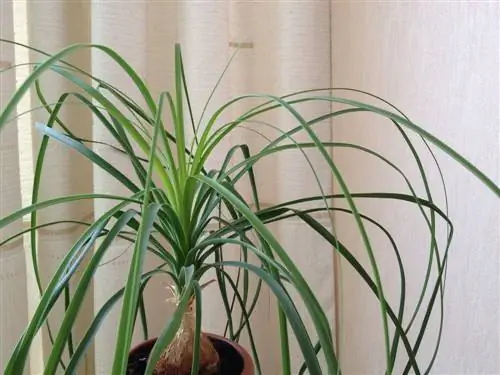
(174, 199)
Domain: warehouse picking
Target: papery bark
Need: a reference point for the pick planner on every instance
(178, 357)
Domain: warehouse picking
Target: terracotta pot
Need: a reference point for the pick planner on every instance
(234, 359)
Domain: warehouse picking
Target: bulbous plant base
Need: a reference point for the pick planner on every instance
(233, 359)
(178, 357)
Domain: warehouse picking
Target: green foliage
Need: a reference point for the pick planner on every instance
(179, 200)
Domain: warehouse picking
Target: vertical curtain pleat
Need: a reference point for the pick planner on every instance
(123, 28)
(202, 30)
(302, 60)
(248, 51)
(162, 32)
(51, 27)
(13, 280)
(143, 33)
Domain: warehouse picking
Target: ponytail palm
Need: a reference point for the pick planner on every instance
(173, 198)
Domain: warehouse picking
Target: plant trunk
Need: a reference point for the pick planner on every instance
(178, 357)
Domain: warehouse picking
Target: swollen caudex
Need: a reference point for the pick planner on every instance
(177, 358)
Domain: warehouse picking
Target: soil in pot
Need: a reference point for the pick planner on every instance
(230, 360)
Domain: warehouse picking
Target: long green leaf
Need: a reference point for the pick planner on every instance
(66, 269)
(290, 311)
(99, 318)
(82, 288)
(126, 325)
(245, 316)
(96, 159)
(376, 110)
(197, 331)
(68, 198)
(317, 313)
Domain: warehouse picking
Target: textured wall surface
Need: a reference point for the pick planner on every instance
(438, 62)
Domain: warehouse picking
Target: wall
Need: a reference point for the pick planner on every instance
(439, 62)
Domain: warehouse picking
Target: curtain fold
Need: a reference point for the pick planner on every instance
(51, 27)
(13, 280)
(142, 43)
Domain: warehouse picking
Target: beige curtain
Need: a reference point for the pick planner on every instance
(13, 282)
(209, 33)
(438, 62)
